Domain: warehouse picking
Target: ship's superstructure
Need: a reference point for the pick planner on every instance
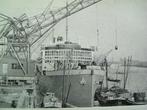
(54, 56)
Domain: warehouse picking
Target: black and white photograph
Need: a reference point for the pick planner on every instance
(73, 54)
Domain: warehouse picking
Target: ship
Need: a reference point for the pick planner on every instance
(116, 95)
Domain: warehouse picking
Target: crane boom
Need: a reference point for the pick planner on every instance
(42, 23)
(35, 27)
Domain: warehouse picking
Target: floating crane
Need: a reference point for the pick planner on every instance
(23, 32)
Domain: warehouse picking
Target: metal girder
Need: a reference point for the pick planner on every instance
(40, 24)
(46, 21)
(16, 43)
(18, 59)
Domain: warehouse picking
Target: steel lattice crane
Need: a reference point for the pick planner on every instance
(23, 32)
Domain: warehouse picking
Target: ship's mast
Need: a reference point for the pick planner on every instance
(67, 21)
(127, 63)
(106, 67)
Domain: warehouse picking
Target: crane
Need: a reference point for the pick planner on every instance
(23, 32)
(40, 24)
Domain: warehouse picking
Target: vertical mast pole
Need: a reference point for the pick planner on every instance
(106, 64)
(124, 71)
(63, 86)
(67, 20)
(98, 40)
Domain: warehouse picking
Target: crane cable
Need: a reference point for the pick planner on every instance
(116, 32)
(97, 30)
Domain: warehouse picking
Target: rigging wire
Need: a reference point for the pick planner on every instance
(116, 44)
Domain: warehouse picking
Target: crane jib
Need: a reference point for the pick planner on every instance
(40, 24)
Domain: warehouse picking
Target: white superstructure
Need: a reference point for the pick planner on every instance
(71, 54)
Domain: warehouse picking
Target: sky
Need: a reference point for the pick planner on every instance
(120, 22)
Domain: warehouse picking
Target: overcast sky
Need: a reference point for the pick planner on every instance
(127, 18)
